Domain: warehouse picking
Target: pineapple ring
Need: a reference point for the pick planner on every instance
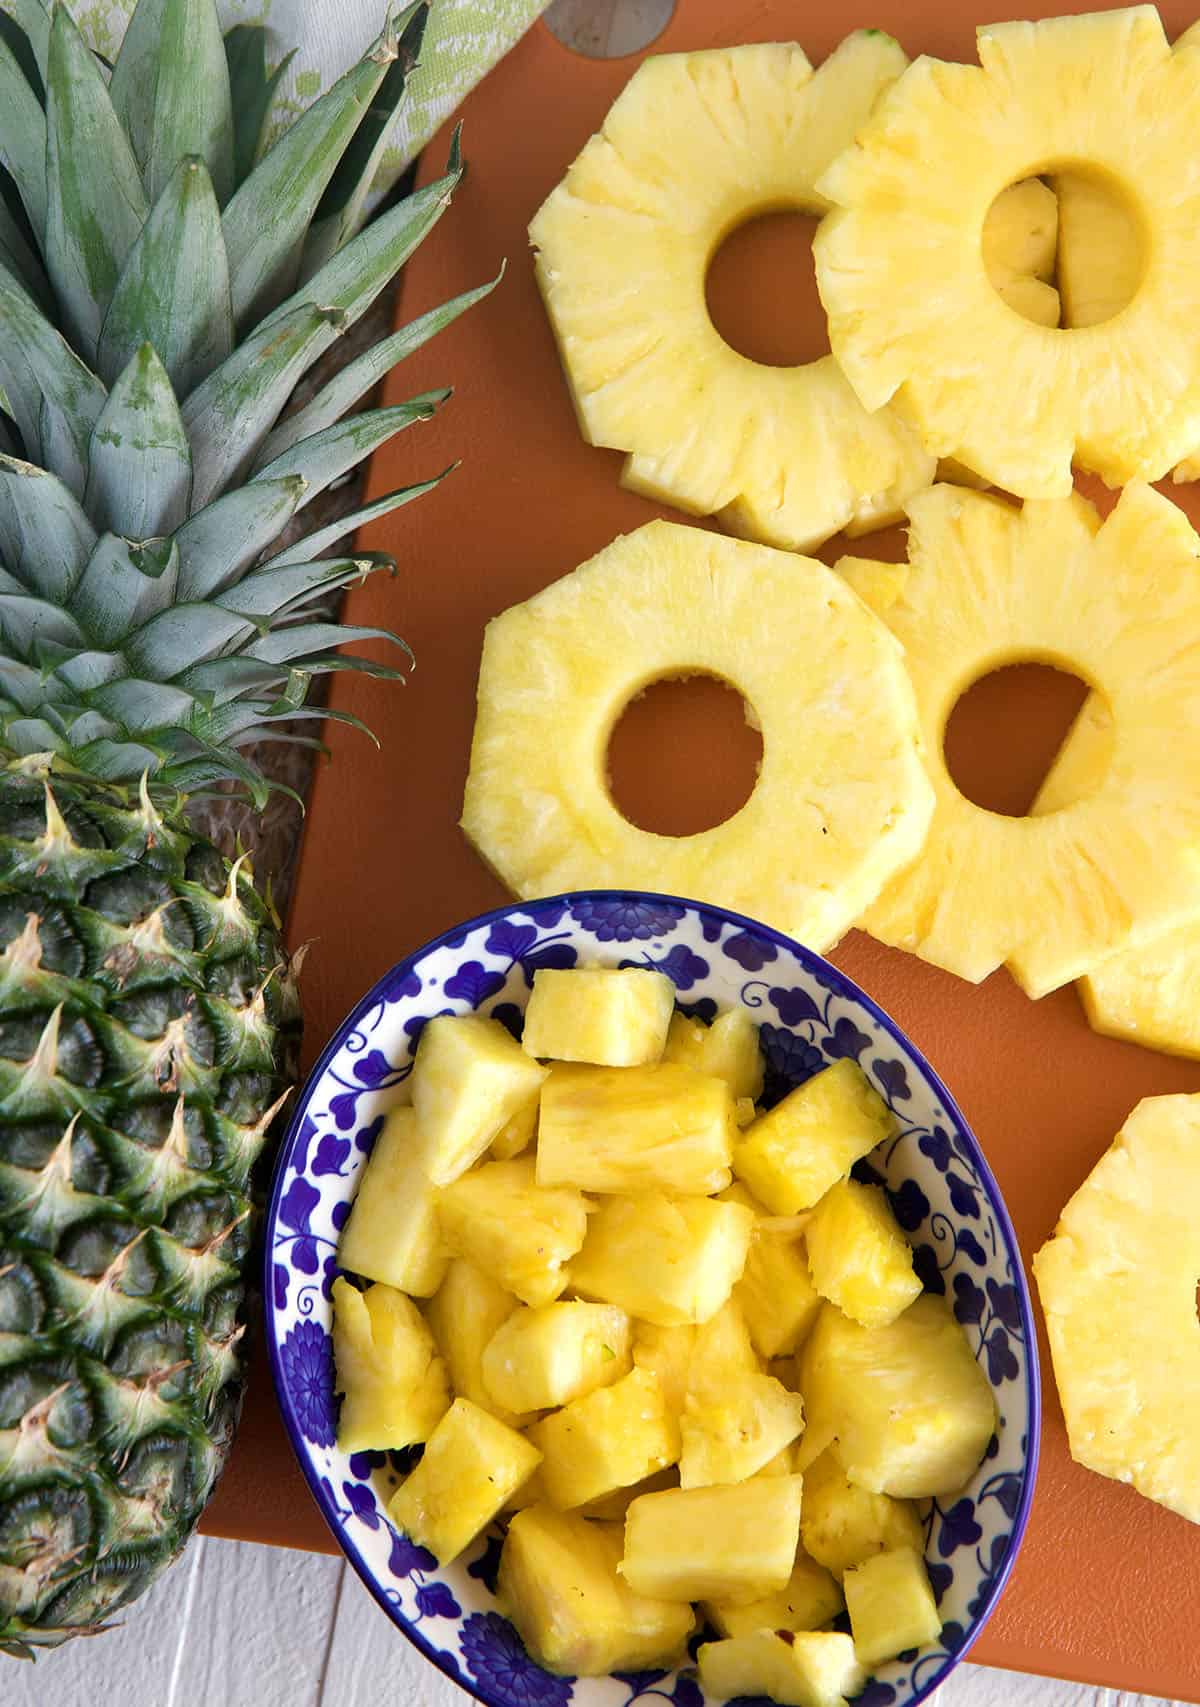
(841, 802)
(901, 270)
(697, 144)
(1050, 896)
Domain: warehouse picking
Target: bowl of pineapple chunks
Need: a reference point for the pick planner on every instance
(646, 1321)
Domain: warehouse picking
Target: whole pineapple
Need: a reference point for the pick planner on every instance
(165, 280)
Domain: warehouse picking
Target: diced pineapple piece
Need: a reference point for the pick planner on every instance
(668, 1353)
(728, 1049)
(812, 1668)
(810, 1597)
(519, 1232)
(547, 1357)
(469, 1078)
(610, 1016)
(911, 1409)
(732, 1427)
(667, 1259)
(392, 1382)
(606, 1440)
(472, 1463)
(517, 1133)
(611, 1508)
(859, 1258)
(776, 1293)
(791, 1156)
(842, 1525)
(891, 1605)
(393, 1234)
(464, 1314)
(630, 1129)
(559, 1584)
(734, 1543)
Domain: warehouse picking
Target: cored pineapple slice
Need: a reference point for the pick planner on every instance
(841, 801)
(728, 1048)
(775, 1294)
(1020, 239)
(471, 1465)
(809, 1669)
(392, 1234)
(521, 1233)
(790, 1157)
(735, 1543)
(386, 1367)
(1118, 1287)
(464, 1314)
(607, 1015)
(811, 1597)
(841, 1525)
(860, 1260)
(891, 1605)
(670, 1260)
(469, 1078)
(606, 1440)
(629, 1129)
(541, 1358)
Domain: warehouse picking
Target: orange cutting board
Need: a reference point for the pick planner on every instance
(1105, 1590)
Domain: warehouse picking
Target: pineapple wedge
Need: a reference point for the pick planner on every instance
(517, 1133)
(471, 1465)
(558, 1583)
(775, 1294)
(541, 1358)
(859, 1258)
(728, 1049)
(607, 1015)
(670, 1260)
(733, 1427)
(631, 1129)
(841, 1525)
(392, 1382)
(734, 1543)
(911, 1409)
(519, 1232)
(891, 1605)
(469, 1078)
(609, 1439)
(806, 1669)
(791, 1156)
(464, 1315)
(393, 1234)
(810, 1597)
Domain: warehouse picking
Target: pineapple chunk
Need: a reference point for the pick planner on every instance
(531, 1492)
(811, 1668)
(392, 1382)
(629, 1129)
(735, 1543)
(728, 1049)
(732, 1427)
(790, 1157)
(810, 1597)
(469, 1078)
(722, 1349)
(841, 1525)
(559, 1584)
(472, 1463)
(668, 1353)
(517, 1133)
(667, 1259)
(776, 1293)
(911, 1409)
(609, 1016)
(606, 1440)
(891, 1605)
(519, 1232)
(392, 1234)
(547, 1357)
(859, 1258)
(611, 1508)
(464, 1314)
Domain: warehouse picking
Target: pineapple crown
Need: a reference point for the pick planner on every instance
(166, 279)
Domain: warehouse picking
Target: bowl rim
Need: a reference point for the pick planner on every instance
(845, 986)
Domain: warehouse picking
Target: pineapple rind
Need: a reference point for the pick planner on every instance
(628, 1129)
(471, 1465)
(605, 1015)
(392, 1234)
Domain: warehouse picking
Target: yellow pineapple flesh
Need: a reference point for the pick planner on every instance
(891, 1605)
(816, 1668)
(392, 1234)
(471, 1465)
(810, 1598)
(667, 1352)
(468, 1079)
(1020, 240)
(541, 1358)
(386, 1367)
(607, 1015)
(609, 1439)
(611, 1508)
(517, 1133)
(464, 1314)
(732, 1543)
(841, 1524)
(670, 1260)
(732, 1428)
(521, 1233)
(631, 1129)
(728, 1049)
(775, 1294)
(859, 1258)
(791, 1156)
(1101, 252)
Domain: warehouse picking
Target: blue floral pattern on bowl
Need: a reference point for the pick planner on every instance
(810, 1015)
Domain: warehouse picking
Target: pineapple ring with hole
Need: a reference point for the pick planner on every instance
(987, 585)
(1118, 1288)
(696, 145)
(841, 802)
(912, 313)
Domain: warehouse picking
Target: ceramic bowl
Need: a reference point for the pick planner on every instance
(810, 1015)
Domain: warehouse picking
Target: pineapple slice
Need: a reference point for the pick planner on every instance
(1051, 896)
(610, 1438)
(607, 1015)
(392, 1382)
(790, 1157)
(541, 1358)
(775, 1294)
(668, 1259)
(517, 1133)
(471, 1465)
(733, 1428)
(860, 1260)
(667, 1353)
(911, 1409)
(891, 1605)
(842, 800)
(1118, 1287)
(734, 1543)
(630, 1129)
(810, 1597)
(558, 1583)
(469, 1078)
(806, 1669)
(464, 1315)
(521, 1233)
(393, 1234)
(1020, 237)
(901, 271)
(728, 1049)
(696, 144)
(841, 1525)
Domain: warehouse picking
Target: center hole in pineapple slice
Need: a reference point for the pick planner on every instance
(684, 755)
(1066, 248)
(1028, 739)
(761, 291)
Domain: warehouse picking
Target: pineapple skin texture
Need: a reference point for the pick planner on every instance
(891, 1605)
(669, 1540)
(859, 1258)
(606, 1440)
(519, 1232)
(628, 1129)
(790, 1157)
(468, 1080)
(392, 1234)
(386, 1367)
(471, 1465)
(605, 1015)
(669, 1260)
(813, 1669)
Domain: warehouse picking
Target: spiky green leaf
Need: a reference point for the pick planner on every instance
(26, 623)
(23, 137)
(326, 456)
(252, 88)
(314, 543)
(269, 592)
(170, 87)
(310, 639)
(91, 669)
(141, 707)
(225, 679)
(61, 451)
(33, 18)
(140, 472)
(122, 588)
(181, 637)
(45, 537)
(220, 541)
(36, 362)
(33, 735)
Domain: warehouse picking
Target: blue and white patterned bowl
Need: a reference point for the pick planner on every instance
(940, 1187)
